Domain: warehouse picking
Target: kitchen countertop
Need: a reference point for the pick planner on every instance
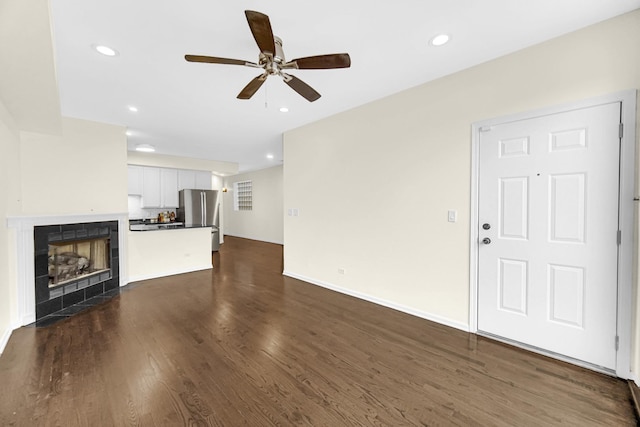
(136, 225)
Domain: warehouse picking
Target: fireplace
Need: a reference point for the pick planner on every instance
(73, 263)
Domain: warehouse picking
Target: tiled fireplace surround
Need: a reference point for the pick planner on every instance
(49, 300)
(31, 245)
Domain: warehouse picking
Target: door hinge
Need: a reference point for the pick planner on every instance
(617, 342)
(485, 128)
(620, 130)
(619, 237)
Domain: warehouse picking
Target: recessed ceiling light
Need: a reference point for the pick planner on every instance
(105, 50)
(145, 148)
(133, 109)
(284, 110)
(269, 156)
(440, 39)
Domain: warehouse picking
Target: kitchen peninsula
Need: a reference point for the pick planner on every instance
(157, 250)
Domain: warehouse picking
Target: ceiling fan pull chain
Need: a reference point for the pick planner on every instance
(266, 97)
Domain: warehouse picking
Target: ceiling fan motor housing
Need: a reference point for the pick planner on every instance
(272, 65)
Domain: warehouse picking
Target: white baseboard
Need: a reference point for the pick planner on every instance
(404, 309)
(156, 275)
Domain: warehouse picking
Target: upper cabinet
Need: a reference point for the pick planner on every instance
(192, 179)
(186, 179)
(159, 186)
(168, 188)
(135, 180)
(151, 193)
(203, 180)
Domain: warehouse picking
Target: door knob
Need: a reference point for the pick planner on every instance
(486, 240)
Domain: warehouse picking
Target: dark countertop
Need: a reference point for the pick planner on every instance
(142, 225)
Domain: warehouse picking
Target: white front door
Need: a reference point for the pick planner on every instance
(548, 228)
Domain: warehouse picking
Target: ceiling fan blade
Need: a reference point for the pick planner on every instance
(216, 60)
(253, 86)
(301, 87)
(261, 29)
(320, 62)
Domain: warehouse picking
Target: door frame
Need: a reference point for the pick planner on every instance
(626, 214)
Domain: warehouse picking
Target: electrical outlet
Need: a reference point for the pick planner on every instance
(341, 271)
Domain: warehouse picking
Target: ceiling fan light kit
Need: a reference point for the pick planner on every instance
(272, 60)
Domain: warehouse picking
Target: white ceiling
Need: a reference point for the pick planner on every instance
(191, 110)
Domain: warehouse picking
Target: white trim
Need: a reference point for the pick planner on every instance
(626, 212)
(168, 273)
(424, 315)
(626, 221)
(473, 230)
(5, 339)
(24, 248)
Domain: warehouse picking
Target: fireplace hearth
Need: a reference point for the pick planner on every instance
(74, 263)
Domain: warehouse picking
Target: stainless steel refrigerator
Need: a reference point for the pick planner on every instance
(200, 208)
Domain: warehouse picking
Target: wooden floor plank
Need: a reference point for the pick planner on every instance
(243, 345)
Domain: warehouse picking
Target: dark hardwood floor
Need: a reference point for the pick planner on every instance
(243, 345)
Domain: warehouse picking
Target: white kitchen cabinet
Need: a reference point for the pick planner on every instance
(203, 180)
(192, 179)
(186, 179)
(159, 186)
(134, 180)
(168, 188)
(151, 193)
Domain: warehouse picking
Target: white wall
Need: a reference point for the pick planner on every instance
(373, 185)
(28, 85)
(9, 205)
(265, 221)
(82, 171)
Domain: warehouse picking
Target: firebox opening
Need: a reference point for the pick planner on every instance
(71, 261)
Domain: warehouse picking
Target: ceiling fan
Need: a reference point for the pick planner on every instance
(273, 62)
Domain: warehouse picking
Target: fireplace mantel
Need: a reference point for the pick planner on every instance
(25, 302)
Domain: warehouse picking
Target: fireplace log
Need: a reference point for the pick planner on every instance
(68, 265)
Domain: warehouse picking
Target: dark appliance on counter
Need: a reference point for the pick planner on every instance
(200, 207)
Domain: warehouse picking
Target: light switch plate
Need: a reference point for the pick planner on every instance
(452, 216)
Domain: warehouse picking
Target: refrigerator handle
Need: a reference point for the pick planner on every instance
(204, 208)
(201, 207)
